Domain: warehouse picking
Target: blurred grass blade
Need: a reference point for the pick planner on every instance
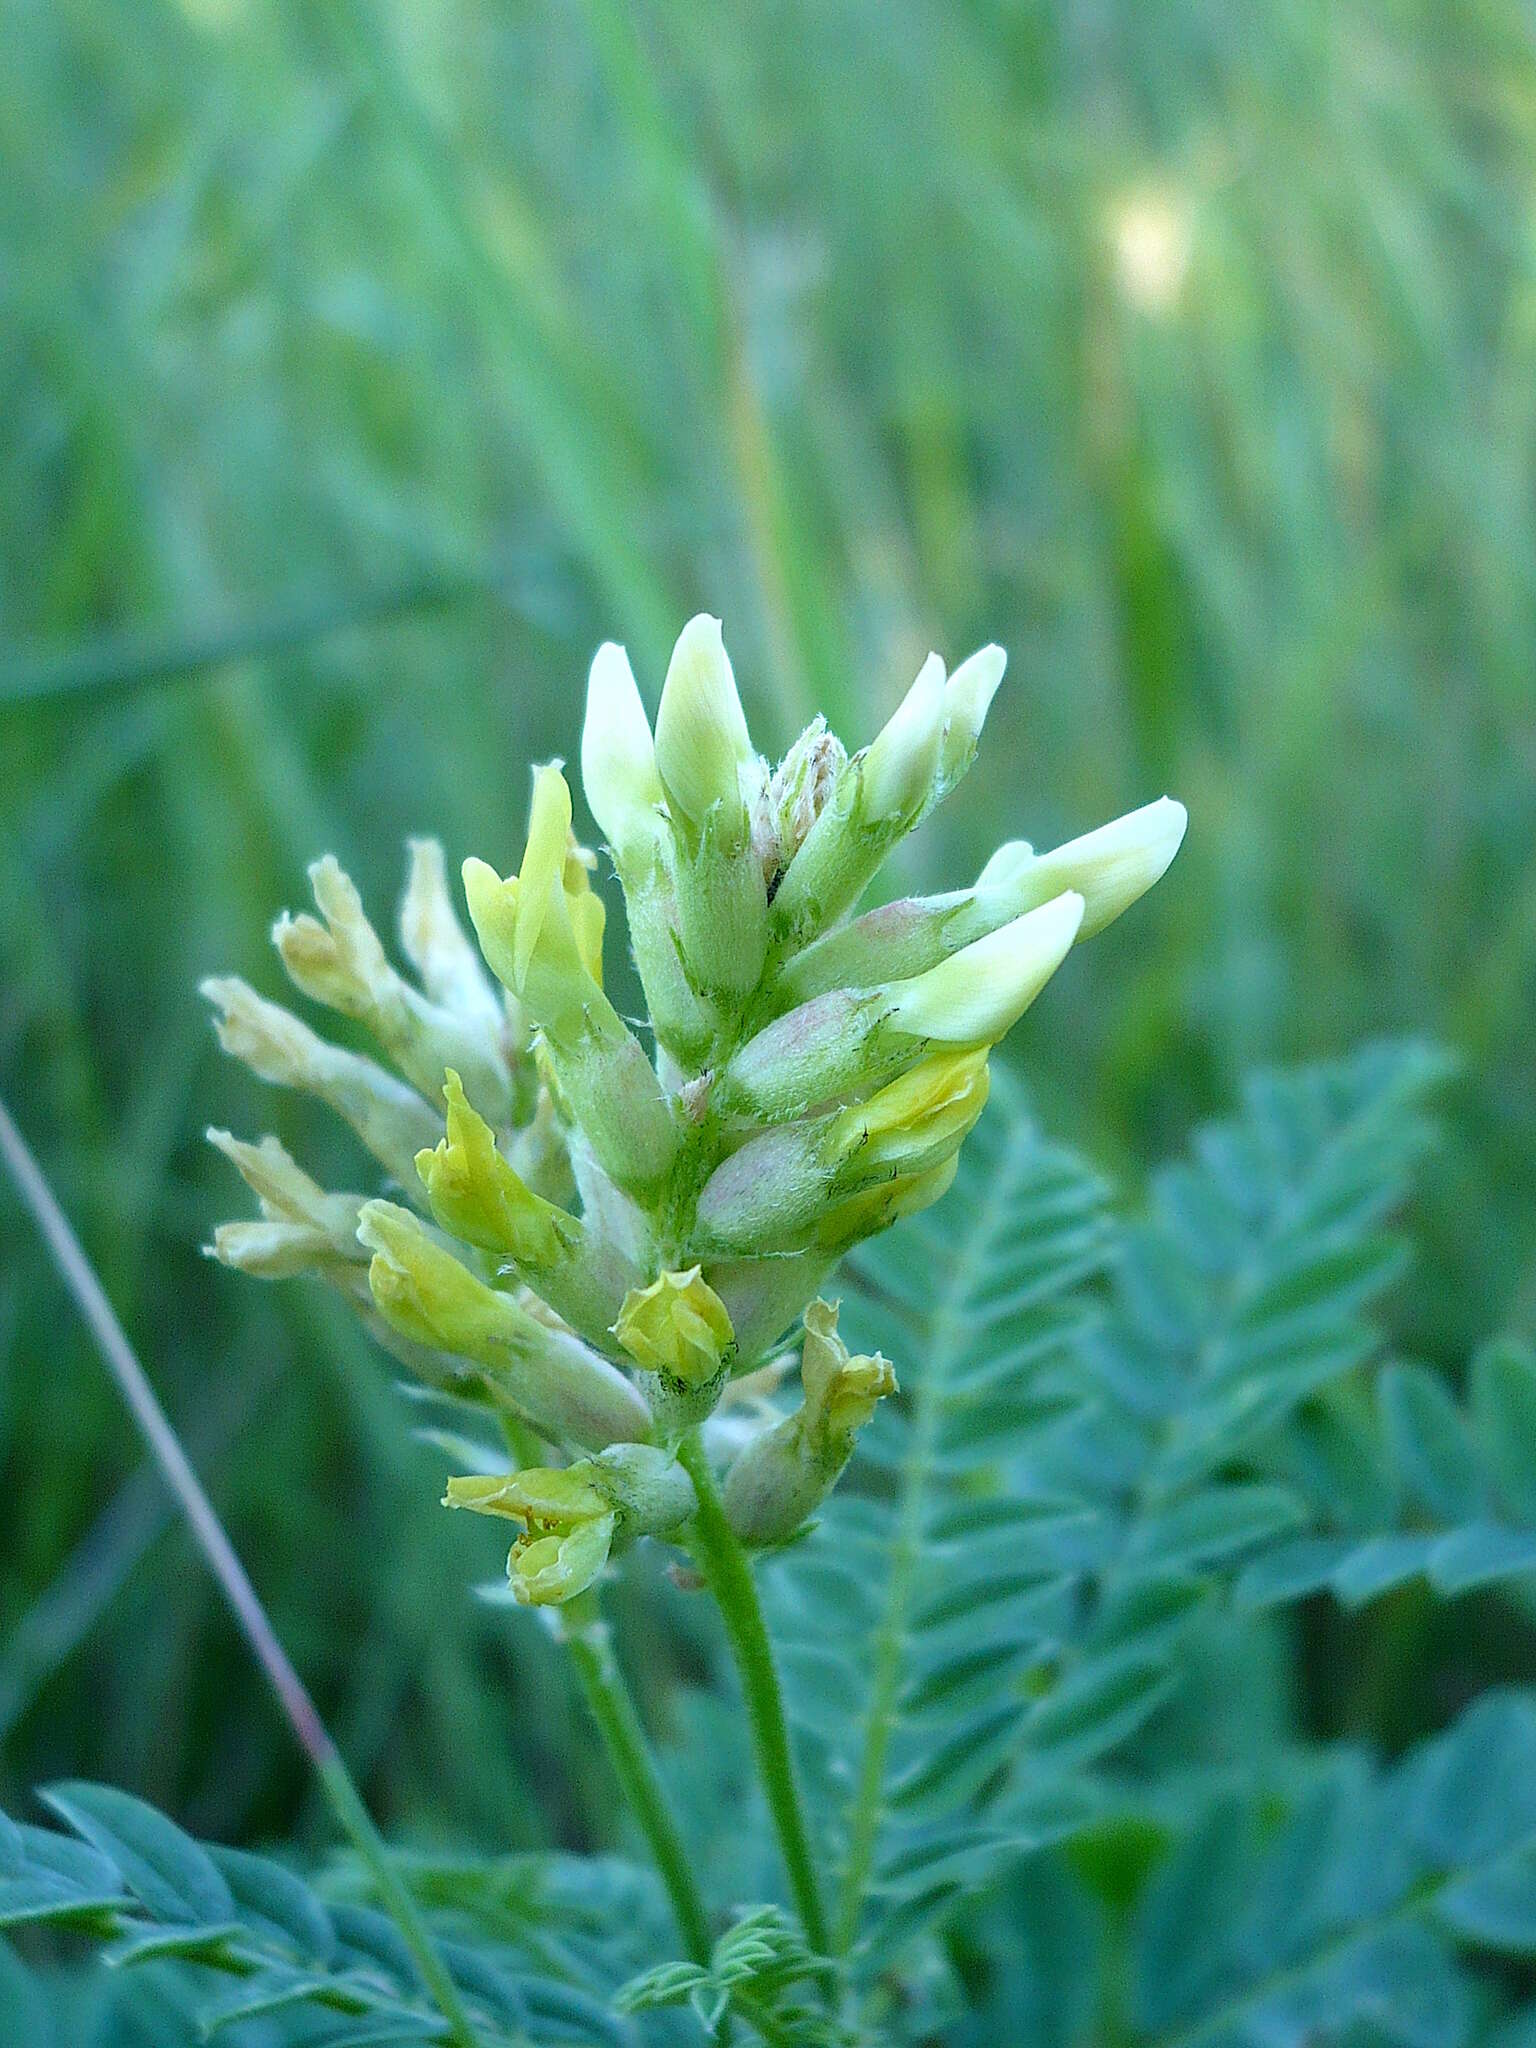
(234, 1582)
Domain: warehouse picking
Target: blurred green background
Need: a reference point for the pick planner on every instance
(362, 366)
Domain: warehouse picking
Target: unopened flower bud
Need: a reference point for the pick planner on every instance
(477, 1197)
(685, 1023)
(765, 1195)
(526, 932)
(287, 1193)
(341, 963)
(1109, 869)
(896, 773)
(890, 943)
(1112, 867)
(437, 945)
(677, 1328)
(561, 1386)
(853, 1038)
(702, 742)
(722, 905)
(784, 1474)
(818, 1051)
(979, 993)
(771, 1193)
(877, 797)
(618, 757)
(799, 791)
(390, 1118)
(967, 699)
(713, 781)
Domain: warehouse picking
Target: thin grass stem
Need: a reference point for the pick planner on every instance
(298, 1708)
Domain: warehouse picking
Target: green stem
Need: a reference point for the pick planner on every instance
(725, 1567)
(357, 1824)
(619, 1725)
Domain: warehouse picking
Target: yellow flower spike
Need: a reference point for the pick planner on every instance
(801, 1078)
(702, 742)
(786, 1471)
(543, 870)
(543, 1496)
(678, 1327)
(560, 1385)
(545, 1571)
(437, 945)
(925, 1112)
(477, 1196)
(589, 918)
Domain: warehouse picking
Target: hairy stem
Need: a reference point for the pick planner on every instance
(165, 1448)
(619, 1725)
(725, 1567)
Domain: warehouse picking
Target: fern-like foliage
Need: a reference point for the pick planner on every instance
(335, 1970)
(1113, 1439)
(1357, 1911)
(1102, 1429)
(1406, 1482)
(759, 1970)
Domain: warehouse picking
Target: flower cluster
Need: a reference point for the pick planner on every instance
(601, 1242)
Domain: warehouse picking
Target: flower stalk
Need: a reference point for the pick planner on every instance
(728, 1574)
(606, 1231)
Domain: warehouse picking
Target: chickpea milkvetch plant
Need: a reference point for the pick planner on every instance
(605, 1248)
(619, 1253)
(1115, 1449)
